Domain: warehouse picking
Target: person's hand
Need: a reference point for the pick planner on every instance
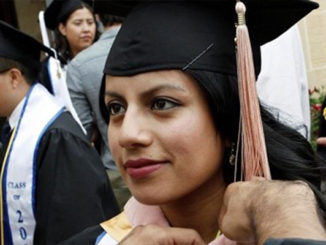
(321, 141)
(256, 210)
(156, 235)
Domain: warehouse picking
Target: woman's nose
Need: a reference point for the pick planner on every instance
(86, 27)
(135, 131)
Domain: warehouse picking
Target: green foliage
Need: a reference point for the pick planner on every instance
(316, 97)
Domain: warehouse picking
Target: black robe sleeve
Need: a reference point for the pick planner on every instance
(86, 237)
(293, 241)
(72, 190)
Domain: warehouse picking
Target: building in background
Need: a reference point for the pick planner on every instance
(23, 14)
(313, 36)
(8, 12)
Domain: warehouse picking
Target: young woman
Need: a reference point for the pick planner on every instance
(171, 100)
(74, 25)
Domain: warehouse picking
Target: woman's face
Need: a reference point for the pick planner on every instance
(79, 30)
(162, 136)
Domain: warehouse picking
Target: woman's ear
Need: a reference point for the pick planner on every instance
(62, 29)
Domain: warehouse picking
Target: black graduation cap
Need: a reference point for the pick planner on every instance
(184, 34)
(18, 46)
(58, 9)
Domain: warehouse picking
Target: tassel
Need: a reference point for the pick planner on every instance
(253, 148)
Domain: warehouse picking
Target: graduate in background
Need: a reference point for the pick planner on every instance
(74, 26)
(50, 174)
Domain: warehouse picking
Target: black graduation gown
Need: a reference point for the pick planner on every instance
(86, 237)
(72, 189)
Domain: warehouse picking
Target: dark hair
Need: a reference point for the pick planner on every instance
(108, 19)
(30, 75)
(61, 44)
(290, 155)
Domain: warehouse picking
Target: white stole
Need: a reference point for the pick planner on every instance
(19, 174)
(105, 239)
(60, 88)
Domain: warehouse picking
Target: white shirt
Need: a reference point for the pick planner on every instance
(283, 83)
(14, 116)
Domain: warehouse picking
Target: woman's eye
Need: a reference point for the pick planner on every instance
(90, 22)
(115, 109)
(77, 23)
(163, 104)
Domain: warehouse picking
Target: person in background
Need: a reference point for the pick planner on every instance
(173, 105)
(74, 26)
(84, 77)
(50, 174)
(283, 83)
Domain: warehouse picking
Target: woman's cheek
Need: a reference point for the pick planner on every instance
(113, 143)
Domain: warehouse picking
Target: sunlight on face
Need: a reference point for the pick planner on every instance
(162, 136)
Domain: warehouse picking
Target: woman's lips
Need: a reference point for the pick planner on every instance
(86, 38)
(141, 168)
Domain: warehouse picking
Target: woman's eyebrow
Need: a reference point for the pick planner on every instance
(161, 87)
(148, 91)
(112, 94)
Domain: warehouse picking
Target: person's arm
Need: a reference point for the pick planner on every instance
(78, 96)
(257, 210)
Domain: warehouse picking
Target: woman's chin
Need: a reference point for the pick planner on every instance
(149, 199)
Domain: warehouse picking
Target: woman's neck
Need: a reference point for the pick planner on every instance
(199, 210)
(73, 53)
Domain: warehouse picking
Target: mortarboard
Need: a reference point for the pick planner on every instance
(60, 8)
(163, 35)
(18, 46)
(200, 35)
